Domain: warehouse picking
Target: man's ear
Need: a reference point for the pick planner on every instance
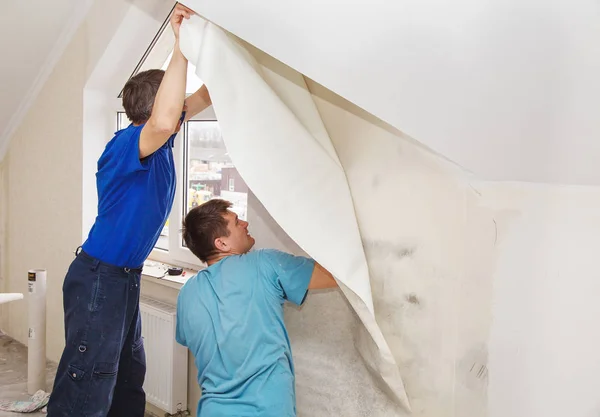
(220, 245)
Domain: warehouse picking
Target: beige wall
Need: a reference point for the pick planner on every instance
(3, 240)
(44, 191)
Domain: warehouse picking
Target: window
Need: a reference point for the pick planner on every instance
(210, 172)
(204, 168)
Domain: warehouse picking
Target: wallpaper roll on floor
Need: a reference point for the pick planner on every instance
(36, 352)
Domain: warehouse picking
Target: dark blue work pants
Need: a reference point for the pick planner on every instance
(103, 366)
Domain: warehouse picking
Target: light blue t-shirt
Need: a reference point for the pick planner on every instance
(230, 316)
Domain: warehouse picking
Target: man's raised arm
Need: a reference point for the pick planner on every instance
(197, 103)
(169, 101)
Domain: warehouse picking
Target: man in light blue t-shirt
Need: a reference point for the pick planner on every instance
(230, 315)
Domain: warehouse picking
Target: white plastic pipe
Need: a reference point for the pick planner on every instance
(5, 297)
(36, 360)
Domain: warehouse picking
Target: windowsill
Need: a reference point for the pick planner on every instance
(157, 273)
(164, 282)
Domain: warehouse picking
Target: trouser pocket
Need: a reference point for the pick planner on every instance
(102, 385)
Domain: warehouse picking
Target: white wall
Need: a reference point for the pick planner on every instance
(544, 344)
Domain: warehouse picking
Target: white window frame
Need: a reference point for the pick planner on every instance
(177, 252)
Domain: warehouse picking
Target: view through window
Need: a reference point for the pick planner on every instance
(210, 172)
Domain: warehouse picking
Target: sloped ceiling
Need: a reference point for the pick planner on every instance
(508, 89)
(34, 35)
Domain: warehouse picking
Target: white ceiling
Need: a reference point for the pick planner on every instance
(508, 89)
(34, 35)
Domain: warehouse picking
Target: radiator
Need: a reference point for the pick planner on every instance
(166, 360)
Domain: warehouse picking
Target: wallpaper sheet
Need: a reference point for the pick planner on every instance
(395, 224)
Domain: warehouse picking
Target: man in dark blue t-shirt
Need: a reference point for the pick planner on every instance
(102, 368)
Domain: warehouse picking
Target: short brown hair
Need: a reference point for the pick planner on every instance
(202, 225)
(139, 94)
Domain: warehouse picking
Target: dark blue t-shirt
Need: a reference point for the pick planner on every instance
(134, 200)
